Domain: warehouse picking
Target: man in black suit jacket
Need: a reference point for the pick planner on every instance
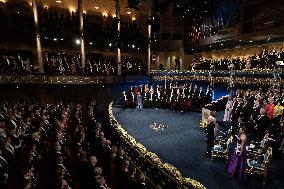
(210, 135)
(261, 125)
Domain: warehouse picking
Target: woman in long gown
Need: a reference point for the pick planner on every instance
(237, 164)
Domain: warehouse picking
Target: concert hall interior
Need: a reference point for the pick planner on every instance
(141, 94)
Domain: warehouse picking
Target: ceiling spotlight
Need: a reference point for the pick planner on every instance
(61, 39)
(133, 46)
(55, 39)
(222, 44)
(96, 7)
(91, 43)
(77, 41)
(58, 1)
(110, 44)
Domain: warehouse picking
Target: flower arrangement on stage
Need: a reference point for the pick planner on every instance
(141, 148)
(152, 157)
(218, 100)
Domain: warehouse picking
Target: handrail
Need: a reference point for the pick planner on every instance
(60, 79)
(168, 170)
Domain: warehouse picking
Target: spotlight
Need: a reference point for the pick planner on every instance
(110, 44)
(222, 44)
(61, 39)
(55, 39)
(133, 46)
(250, 41)
(91, 43)
(77, 41)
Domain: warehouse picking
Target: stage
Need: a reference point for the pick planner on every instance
(176, 138)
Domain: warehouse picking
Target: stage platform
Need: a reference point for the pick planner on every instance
(181, 142)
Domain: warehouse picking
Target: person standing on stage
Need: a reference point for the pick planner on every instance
(139, 101)
(210, 134)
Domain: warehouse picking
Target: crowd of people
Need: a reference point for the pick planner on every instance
(62, 63)
(69, 63)
(133, 65)
(17, 62)
(264, 60)
(59, 144)
(179, 97)
(98, 65)
(254, 115)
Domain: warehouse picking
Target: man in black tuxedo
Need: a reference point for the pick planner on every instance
(261, 125)
(210, 135)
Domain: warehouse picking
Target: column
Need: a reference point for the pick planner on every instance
(149, 58)
(37, 35)
(81, 32)
(118, 36)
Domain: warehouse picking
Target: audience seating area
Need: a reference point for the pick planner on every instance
(16, 62)
(80, 155)
(68, 63)
(264, 60)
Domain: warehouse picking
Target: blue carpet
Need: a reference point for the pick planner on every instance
(182, 144)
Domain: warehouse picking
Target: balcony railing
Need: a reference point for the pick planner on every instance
(66, 80)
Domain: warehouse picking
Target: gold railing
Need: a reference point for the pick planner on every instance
(167, 168)
(66, 80)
